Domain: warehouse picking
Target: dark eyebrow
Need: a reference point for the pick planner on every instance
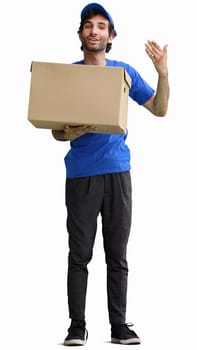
(102, 23)
(89, 21)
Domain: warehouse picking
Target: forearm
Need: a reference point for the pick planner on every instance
(160, 102)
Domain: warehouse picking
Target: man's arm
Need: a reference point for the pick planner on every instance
(158, 104)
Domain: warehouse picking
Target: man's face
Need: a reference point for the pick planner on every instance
(95, 34)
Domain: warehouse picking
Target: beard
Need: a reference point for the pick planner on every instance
(101, 46)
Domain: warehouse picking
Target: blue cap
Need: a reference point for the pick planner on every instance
(98, 7)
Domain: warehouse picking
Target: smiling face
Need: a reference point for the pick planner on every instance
(95, 34)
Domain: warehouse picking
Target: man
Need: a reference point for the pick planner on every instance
(98, 182)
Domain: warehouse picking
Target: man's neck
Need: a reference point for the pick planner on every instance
(95, 58)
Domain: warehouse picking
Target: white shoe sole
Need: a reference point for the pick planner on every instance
(73, 342)
(133, 341)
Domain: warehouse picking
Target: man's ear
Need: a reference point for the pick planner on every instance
(111, 37)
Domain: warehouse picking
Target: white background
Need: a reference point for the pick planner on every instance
(33, 238)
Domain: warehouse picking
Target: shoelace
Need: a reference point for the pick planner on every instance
(81, 326)
(129, 324)
(127, 327)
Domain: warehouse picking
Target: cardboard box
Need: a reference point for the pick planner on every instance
(71, 94)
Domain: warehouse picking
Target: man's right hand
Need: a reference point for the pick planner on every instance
(72, 132)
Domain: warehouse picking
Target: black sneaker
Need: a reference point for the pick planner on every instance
(77, 334)
(122, 334)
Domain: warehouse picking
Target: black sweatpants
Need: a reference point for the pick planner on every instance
(86, 198)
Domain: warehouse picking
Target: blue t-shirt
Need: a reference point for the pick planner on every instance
(96, 154)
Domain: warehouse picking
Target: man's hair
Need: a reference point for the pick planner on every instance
(93, 12)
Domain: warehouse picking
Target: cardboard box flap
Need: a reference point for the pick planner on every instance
(31, 67)
(127, 78)
(33, 63)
